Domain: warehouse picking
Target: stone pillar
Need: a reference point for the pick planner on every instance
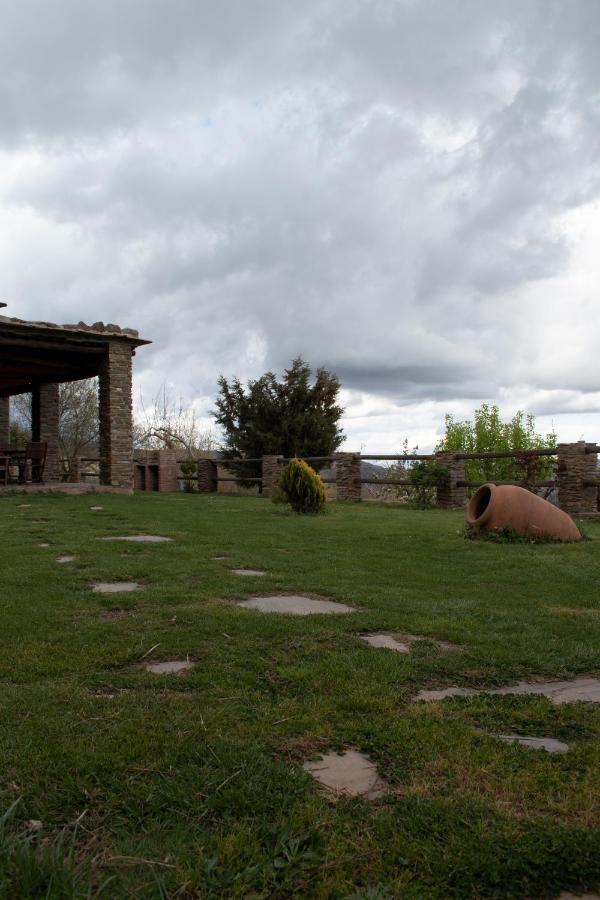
(44, 426)
(347, 476)
(207, 476)
(168, 475)
(74, 469)
(4, 420)
(575, 466)
(449, 495)
(271, 473)
(116, 441)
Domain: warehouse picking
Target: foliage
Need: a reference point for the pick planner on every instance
(291, 417)
(170, 424)
(510, 535)
(301, 487)
(488, 432)
(426, 476)
(189, 467)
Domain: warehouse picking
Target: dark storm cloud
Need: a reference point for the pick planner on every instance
(380, 185)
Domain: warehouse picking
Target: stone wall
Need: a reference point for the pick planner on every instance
(116, 450)
(207, 476)
(44, 426)
(449, 495)
(156, 470)
(271, 473)
(347, 476)
(4, 420)
(575, 466)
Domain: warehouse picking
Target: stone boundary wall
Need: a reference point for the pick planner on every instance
(4, 420)
(577, 466)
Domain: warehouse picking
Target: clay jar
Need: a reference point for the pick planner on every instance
(495, 506)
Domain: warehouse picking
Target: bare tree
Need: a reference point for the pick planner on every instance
(171, 424)
(77, 418)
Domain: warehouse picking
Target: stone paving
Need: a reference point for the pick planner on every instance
(402, 643)
(558, 692)
(248, 572)
(295, 605)
(169, 666)
(537, 743)
(138, 538)
(65, 559)
(349, 773)
(115, 587)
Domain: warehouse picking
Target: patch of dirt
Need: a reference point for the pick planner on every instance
(108, 615)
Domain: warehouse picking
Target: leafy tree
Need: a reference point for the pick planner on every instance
(292, 417)
(488, 432)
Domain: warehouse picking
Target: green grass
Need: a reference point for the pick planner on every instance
(191, 786)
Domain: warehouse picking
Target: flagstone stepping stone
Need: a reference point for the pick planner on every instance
(114, 587)
(65, 559)
(139, 538)
(349, 773)
(220, 557)
(401, 643)
(24, 506)
(558, 692)
(295, 605)
(248, 572)
(538, 743)
(96, 507)
(169, 666)
(43, 544)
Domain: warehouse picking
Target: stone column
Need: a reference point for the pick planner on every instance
(4, 420)
(74, 469)
(449, 495)
(207, 476)
(116, 441)
(44, 426)
(575, 466)
(271, 473)
(168, 475)
(347, 476)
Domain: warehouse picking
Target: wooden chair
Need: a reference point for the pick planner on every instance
(35, 454)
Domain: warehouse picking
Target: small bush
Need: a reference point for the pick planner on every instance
(302, 488)
(426, 476)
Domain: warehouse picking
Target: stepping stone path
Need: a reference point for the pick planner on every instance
(96, 507)
(139, 538)
(24, 506)
(538, 743)
(169, 666)
(219, 557)
(401, 643)
(114, 587)
(249, 572)
(295, 605)
(349, 773)
(43, 544)
(558, 692)
(65, 559)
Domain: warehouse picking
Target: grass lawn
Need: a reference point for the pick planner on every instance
(131, 784)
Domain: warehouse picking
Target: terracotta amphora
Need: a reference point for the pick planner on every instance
(495, 506)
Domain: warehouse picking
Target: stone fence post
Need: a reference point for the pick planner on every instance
(207, 476)
(575, 466)
(449, 495)
(271, 473)
(5, 420)
(74, 469)
(347, 476)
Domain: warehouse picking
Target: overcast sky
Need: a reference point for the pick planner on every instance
(406, 192)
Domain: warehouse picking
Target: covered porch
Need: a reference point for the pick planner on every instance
(36, 357)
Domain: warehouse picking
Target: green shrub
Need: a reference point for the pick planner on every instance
(302, 488)
(425, 476)
(189, 467)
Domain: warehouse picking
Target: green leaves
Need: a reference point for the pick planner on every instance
(302, 488)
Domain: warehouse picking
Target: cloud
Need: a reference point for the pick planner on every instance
(405, 192)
